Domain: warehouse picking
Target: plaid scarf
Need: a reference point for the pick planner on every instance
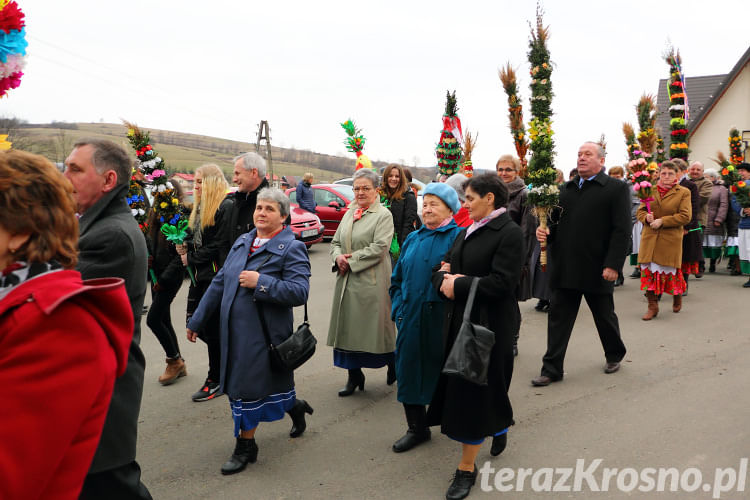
(20, 272)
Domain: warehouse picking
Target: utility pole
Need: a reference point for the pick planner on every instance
(264, 134)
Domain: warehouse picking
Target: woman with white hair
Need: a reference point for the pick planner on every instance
(457, 182)
(266, 274)
(718, 205)
(361, 331)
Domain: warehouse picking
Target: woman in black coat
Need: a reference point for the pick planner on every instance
(166, 274)
(400, 200)
(492, 248)
(204, 254)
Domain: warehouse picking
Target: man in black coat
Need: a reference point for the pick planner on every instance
(250, 177)
(112, 245)
(587, 246)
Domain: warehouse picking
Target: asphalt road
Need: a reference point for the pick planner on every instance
(681, 400)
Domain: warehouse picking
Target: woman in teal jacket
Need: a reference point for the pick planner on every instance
(418, 310)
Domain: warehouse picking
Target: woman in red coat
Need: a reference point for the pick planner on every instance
(62, 342)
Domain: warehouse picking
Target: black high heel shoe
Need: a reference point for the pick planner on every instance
(498, 444)
(356, 379)
(298, 417)
(390, 377)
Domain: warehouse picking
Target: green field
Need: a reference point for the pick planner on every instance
(183, 152)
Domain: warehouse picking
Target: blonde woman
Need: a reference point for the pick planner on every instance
(204, 253)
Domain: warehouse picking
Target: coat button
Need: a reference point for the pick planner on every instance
(281, 246)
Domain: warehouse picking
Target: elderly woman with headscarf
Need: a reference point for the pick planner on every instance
(266, 274)
(716, 215)
(361, 331)
(660, 254)
(418, 310)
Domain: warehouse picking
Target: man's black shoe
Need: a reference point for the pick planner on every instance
(461, 485)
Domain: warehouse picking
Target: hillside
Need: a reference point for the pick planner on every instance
(184, 152)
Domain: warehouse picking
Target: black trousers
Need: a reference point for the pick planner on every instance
(210, 334)
(562, 317)
(122, 483)
(159, 320)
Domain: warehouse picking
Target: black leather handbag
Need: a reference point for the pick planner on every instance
(469, 357)
(295, 350)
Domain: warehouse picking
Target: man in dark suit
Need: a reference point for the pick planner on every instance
(250, 177)
(692, 239)
(587, 246)
(111, 245)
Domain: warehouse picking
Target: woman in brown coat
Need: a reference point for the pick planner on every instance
(660, 254)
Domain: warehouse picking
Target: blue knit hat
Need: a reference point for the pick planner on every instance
(446, 193)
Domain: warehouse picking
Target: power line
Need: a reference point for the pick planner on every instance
(139, 81)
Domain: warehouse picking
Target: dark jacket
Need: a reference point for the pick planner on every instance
(521, 214)
(284, 282)
(305, 197)
(494, 253)
(404, 213)
(692, 242)
(418, 312)
(241, 218)
(590, 231)
(112, 245)
(744, 220)
(208, 259)
(165, 261)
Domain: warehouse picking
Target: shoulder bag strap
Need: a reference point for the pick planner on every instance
(470, 299)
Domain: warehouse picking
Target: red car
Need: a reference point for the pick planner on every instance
(306, 226)
(332, 202)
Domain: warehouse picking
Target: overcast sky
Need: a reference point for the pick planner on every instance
(218, 68)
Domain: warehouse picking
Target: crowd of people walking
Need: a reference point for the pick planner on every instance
(421, 282)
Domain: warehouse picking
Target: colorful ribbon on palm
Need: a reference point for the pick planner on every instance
(12, 46)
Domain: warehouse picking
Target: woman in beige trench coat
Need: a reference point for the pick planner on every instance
(361, 331)
(660, 253)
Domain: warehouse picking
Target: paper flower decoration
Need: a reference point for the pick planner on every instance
(12, 46)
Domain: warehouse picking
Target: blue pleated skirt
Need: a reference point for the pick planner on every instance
(248, 414)
(351, 360)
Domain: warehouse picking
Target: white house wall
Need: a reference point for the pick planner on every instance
(731, 110)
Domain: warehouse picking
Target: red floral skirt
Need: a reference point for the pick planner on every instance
(673, 284)
(689, 268)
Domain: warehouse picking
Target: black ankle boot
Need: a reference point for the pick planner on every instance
(498, 444)
(245, 451)
(356, 379)
(418, 432)
(390, 377)
(298, 417)
(461, 485)
(712, 266)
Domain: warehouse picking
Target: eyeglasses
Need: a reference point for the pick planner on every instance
(362, 189)
(506, 169)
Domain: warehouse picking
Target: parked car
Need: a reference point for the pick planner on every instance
(306, 226)
(349, 181)
(332, 202)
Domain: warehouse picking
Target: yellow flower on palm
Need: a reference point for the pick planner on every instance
(4, 145)
(163, 204)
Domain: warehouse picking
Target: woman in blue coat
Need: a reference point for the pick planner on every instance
(418, 310)
(265, 268)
